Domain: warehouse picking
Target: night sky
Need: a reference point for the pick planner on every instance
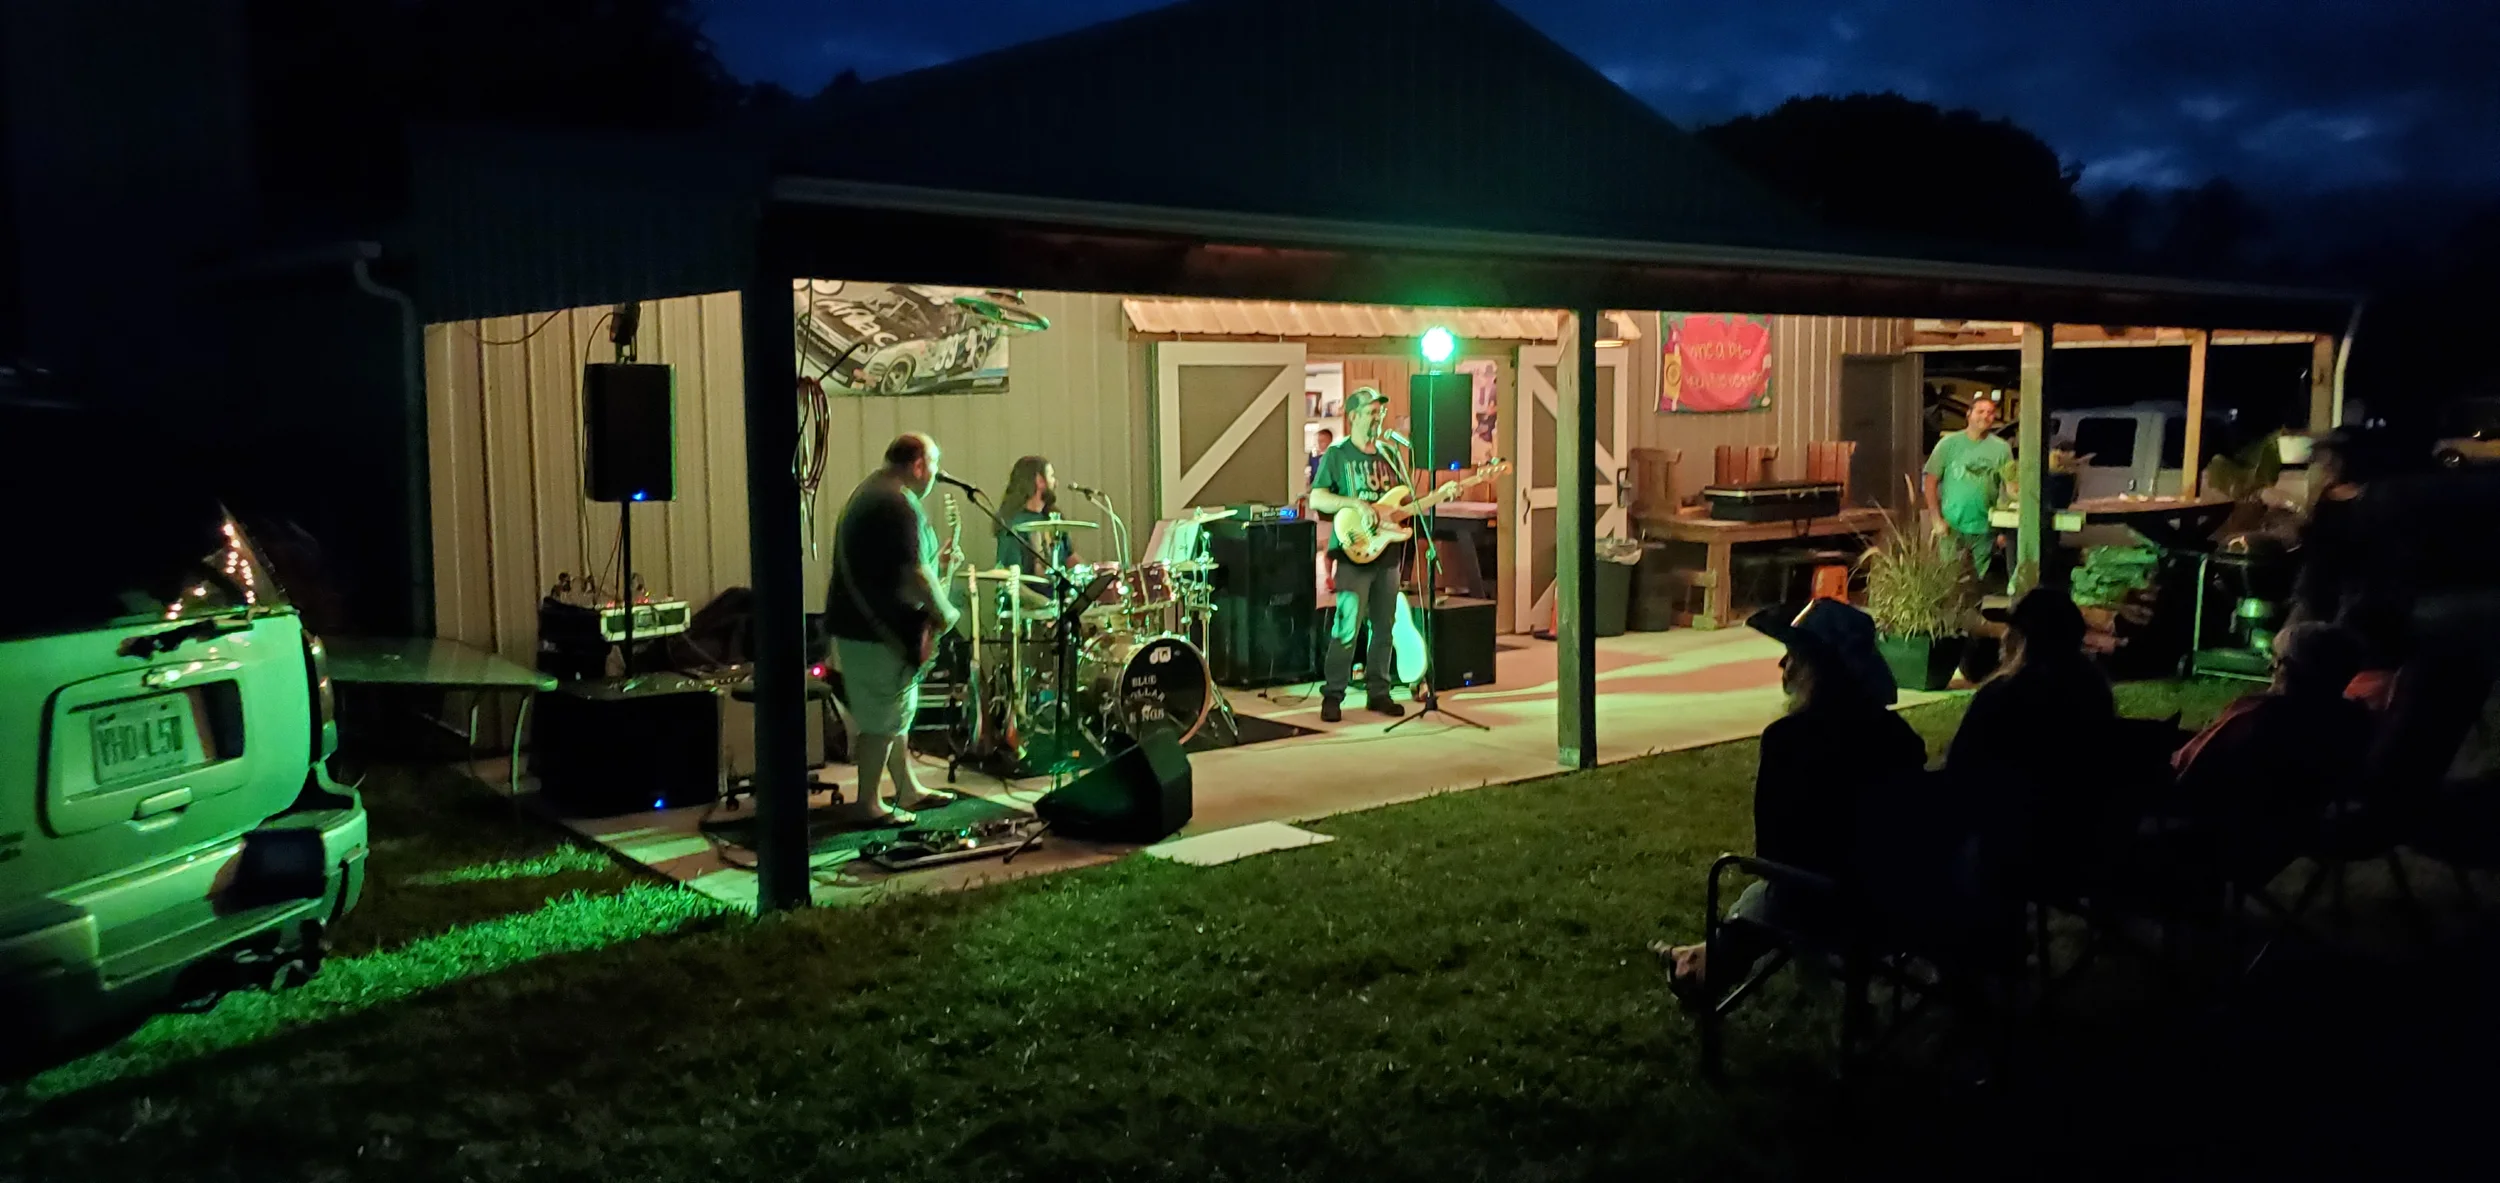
(2288, 97)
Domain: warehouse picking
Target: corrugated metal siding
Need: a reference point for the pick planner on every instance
(1805, 394)
(505, 431)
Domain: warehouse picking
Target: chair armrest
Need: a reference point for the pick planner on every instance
(1759, 868)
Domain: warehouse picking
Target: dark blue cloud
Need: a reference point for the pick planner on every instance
(2295, 96)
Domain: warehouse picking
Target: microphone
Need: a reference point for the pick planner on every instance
(966, 486)
(1395, 437)
(1083, 491)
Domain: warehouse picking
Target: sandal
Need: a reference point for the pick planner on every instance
(1689, 990)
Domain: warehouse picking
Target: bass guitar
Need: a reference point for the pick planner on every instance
(1363, 531)
(950, 555)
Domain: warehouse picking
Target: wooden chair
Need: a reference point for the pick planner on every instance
(1829, 461)
(1743, 464)
(1653, 482)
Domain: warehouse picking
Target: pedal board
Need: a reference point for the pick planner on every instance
(918, 849)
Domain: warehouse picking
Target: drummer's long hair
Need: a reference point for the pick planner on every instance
(1020, 482)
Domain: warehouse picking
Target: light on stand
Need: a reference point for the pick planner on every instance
(1439, 346)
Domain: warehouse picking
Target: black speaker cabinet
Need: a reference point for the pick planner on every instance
(625, 745)
(1462, 643)
(1141, 793)
(629, 432)
(1265, 596)
(1442, 408)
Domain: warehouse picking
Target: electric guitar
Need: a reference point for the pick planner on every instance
(951, 555)
(1363, 531)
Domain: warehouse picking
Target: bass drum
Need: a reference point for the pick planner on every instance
(1127, 681)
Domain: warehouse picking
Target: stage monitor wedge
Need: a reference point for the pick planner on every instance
(1141, 793)
(629, 432)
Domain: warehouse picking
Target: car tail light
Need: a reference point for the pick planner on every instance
(325, 726)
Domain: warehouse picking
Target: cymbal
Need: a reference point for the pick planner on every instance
(1003, 574)
(1200, 517)
(1048, 525)
(1192, 566)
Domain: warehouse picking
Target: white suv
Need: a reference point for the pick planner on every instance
(167, 831)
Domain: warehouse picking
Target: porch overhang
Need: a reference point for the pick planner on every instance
(833, 227)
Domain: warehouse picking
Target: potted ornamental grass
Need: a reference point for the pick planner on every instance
(1920, 594)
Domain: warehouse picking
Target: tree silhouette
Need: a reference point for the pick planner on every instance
(1886, 164)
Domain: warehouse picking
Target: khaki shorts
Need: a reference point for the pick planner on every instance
(883, 692)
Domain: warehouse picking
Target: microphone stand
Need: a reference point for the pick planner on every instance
(1061, 590)
(1428, 577)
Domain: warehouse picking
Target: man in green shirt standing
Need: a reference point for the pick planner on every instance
(1962, 477)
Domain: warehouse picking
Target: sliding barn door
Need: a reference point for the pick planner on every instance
(1228, 419)
(1533, 527)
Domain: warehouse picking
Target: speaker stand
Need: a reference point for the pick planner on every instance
(1428, 578)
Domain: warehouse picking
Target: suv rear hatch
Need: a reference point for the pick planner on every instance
(154, 695)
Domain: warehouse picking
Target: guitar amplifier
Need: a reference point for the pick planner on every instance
(1462, 642)
(626, 745)
(1266, 598)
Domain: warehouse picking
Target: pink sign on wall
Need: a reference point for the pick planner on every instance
(1715, 362)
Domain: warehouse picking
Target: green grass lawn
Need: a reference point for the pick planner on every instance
(1455, 989)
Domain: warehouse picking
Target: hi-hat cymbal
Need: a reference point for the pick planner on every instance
(1047, 525)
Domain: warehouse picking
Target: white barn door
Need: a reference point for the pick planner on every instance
(1536, 505)
(1228, 423)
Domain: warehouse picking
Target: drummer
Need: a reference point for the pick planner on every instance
(1038, 484)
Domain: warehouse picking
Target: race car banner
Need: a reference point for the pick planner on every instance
(1715, 362)
(908, 339)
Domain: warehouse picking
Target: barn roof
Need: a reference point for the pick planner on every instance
(1450, 113)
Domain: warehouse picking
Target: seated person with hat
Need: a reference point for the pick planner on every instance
(1838, 746)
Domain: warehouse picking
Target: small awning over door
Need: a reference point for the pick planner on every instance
(1296, 319)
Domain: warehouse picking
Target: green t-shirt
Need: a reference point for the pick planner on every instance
(1966, 470)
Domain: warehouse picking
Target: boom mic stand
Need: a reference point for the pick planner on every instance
(1428, 577)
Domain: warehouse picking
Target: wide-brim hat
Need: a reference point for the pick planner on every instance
(1836, 637)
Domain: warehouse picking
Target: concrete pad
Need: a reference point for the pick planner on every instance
(1240, 842)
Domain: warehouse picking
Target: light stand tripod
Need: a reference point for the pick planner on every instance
(1428, 571)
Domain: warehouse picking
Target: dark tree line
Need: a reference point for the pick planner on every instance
(1912, 172)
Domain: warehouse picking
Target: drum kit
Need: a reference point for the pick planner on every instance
(1047, 665)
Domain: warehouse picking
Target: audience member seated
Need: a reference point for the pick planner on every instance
(1837, 747)
(2028, 756)
(2261, 772)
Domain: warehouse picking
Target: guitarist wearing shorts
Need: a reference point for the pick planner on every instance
(885, 608)
(1356, 471)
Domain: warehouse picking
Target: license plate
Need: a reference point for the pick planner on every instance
(141, 739)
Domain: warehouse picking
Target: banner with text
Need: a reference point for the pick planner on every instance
(1715, 362)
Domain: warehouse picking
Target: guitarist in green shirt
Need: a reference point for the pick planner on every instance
(1355, 472)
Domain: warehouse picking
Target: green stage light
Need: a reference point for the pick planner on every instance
(1439, 345)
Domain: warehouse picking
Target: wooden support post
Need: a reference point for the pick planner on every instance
(2031, 462)
(1575, 541)
(2192, 463)
(2324, 411)
(773, 557)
